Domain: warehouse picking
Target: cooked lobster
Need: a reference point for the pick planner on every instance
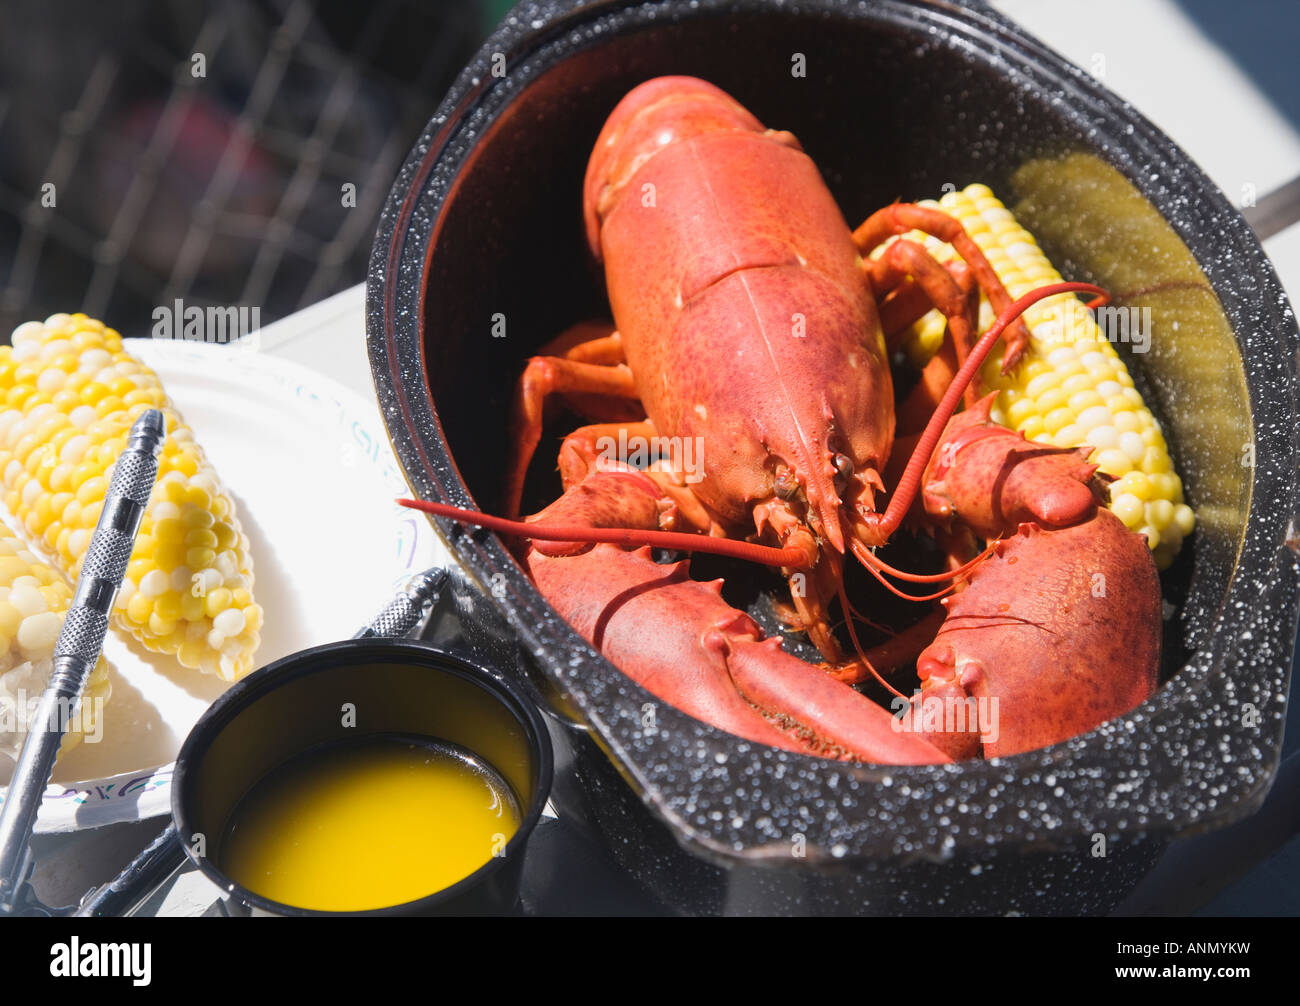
(747, 321)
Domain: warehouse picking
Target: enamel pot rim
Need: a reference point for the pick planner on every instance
(1186, 746)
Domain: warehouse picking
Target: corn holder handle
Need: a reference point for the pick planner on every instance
(165, 855)
(405, 611)
(79, 643)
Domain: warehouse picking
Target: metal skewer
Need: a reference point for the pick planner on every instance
(77, 649)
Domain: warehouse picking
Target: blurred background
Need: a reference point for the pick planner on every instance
(232, 153)
(237, 152)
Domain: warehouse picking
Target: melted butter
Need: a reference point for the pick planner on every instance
(368, 824)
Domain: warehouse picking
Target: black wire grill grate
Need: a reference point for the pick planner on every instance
(236, 154)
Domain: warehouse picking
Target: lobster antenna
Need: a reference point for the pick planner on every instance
(791, 556)
(877, 567)
(857, 646)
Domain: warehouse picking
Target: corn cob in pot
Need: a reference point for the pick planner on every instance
(1072, 388)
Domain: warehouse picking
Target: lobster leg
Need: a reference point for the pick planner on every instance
(907, 303)
(810, 588)
(903, 217)
(812, 594)
(587, 342)
(919, 405)
(813, 589)
(907, 258)
(551, 375)
(581, 451)
(599, 343)
(900, 650)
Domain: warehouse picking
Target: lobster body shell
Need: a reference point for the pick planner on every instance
(754, 271)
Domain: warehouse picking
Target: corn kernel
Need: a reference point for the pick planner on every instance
(169, 532)
(159, 626)
(1057, 419)
(191, 654)
(10, 619)
(1129, 509)
(196, 518)
(201, 538)
(1114, 462)
(192, 607)
(168, 606)
(1052, 399)
(139, 608)
(217, 601)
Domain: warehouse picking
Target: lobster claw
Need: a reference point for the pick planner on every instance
(1058, 630)
(1055, 634)
(711, 660)
(994, 479)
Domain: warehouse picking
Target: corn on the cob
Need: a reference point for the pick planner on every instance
(1072, 387)
(33, 601)
(69, 393)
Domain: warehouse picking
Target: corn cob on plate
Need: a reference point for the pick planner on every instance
(281, 436)
(70, 393)
(34, 599)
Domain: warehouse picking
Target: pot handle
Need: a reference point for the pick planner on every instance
(414, 602)
(487, 636)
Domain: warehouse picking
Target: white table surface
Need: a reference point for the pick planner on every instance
(1148, 51)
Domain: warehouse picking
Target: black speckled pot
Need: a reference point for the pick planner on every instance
(899, 99)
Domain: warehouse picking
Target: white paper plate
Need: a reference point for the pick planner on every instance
(314, 481)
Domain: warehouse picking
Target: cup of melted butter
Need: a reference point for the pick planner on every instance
(362, 825)
(368, 776)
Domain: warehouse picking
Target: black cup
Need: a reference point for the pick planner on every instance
(396, 687)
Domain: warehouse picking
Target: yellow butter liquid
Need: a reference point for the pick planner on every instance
(367, 824)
